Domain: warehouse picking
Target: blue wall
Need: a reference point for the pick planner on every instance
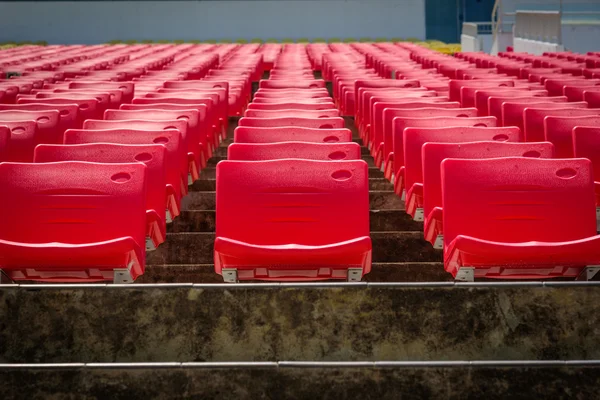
(90, 22)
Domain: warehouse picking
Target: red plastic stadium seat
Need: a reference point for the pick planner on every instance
(592, 98)
(320, 123)
(432, 157)
(47, 122)
(68, 112)
(538, 223)
(512, 110)
(534, 120)
(245, 134)
(394, 148)
(176, 164)
(289, 84)
(309, 221)
(457, 85)
(330, 113)
(197, 145)
(303, 150)
(153, 125)
(22, 140)
(586, 144)
(88, 108)
(411, 174)
(559, 131)
(73, 221)
(4, 141)
(291, 106)
(152, 155)
(482, 97)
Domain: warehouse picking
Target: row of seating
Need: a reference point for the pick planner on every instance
(503, 217)
(101, 149)
(305, 208)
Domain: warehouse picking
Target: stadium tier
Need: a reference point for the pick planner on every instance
(214, 187)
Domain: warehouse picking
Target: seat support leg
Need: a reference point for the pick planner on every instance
(230, 275)
(354, 274)
(588, 273)
(123, 275)
(465, 274)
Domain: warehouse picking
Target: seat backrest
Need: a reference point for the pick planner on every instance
(516, 200)
(586, 144)
(246, 134)
(47, 122)
(467, 94)
(533, 119)
(302, 150)
(126, 87)
(482, 96)
(151, 155)
(88, 108)
(433, 153)
(300, 105)
(512, 109)
(306, 202)
(292, 83)
(575, 92)
(456, 85)
(4, 140)
(415, 138)
(175, 156)
(559, 131)
(72, 202)
(395, 142)
(320, 123)
(592, 98)
(138, 124)
(24, 136)
(329, 113)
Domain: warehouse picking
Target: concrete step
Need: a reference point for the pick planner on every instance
(300, 322)
(212, 162)
(379, 200)
(380, 272)
(197, 248)
(380, 220)
(288, 380)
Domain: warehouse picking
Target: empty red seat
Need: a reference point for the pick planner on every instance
(482, 97)
(533, 120)
(308, 221)
(538, 223)
(152, 155)
(291, 106)
(411, 173)
(432, 157)
(330, 113)
(47, 123)
(189, 164)
(394, 146)
(196, 137)
(4, 140)
(245, 134)
(559, 131)
(73, 221)
(127, 88)
(457, 85)
(288, 84)
(175, 157)
(320, 123)
(68, 113)
(22, 140)
(88, 108)
(592, 98)
(512, 110)
(303, 150)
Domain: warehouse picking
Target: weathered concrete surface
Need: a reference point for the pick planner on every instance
(347, 322)
(274, 383)
(197, 248)
(380, 220)
(380, 272)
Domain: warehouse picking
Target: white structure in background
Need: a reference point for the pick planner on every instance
(536, 32)
(536, 26)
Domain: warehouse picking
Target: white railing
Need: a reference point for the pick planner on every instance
(542, 26)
